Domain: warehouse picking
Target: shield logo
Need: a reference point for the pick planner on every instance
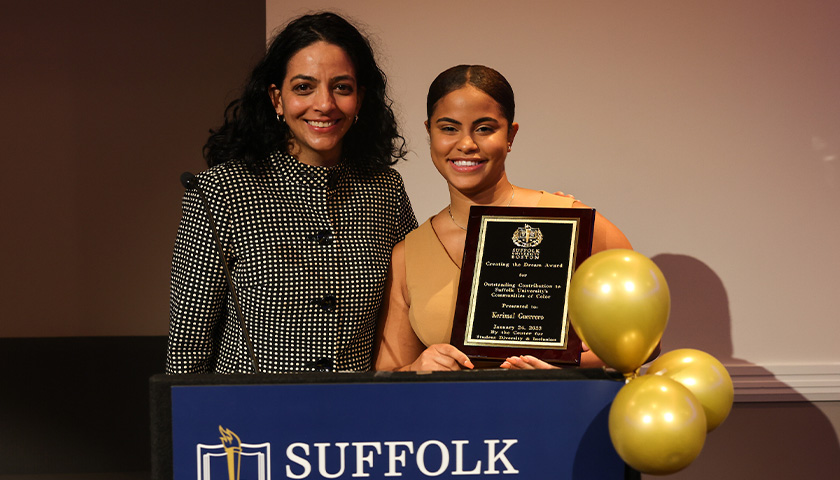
(233, 460)
(527, 236)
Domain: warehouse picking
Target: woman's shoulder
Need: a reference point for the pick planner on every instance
(385, 183)
(226, 172)
(542, 198)
(420, 245)
(556, 200)
(421, 233)
(377, 174)
(606, 234)
(231, 181)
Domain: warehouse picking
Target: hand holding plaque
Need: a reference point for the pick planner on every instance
(511, 284)
(513, 291)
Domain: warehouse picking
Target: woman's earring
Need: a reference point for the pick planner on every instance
(281, 119)
(357, 119)
(509, 147)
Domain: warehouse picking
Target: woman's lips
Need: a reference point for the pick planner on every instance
(465, 164)
(321, 124)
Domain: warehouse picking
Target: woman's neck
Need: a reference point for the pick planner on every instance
(501, 195)
(316, 159)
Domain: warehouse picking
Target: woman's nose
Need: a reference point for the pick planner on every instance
(324, 100)
(466, 144)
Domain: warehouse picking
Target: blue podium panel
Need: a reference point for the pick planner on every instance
(505, 429)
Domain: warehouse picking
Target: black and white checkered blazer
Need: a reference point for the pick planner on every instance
(308, 248)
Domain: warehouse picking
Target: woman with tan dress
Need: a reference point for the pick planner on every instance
(471, 130)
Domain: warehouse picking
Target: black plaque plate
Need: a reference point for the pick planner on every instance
(513, 291)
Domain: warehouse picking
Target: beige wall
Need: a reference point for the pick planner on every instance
(709, 131)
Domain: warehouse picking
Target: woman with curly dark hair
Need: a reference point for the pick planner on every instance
(307, 209)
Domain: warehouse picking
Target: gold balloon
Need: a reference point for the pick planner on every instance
(619, 304)
(704, 375)
(657, 426)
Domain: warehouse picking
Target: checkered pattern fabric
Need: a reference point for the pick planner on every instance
(308, 248)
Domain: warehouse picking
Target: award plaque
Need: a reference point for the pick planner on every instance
(514, 288)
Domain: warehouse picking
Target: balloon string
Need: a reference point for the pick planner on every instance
(628, 376)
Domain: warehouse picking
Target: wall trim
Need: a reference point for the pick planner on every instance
(786, 382)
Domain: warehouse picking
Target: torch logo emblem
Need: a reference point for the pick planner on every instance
(233, 450)
(239, 460)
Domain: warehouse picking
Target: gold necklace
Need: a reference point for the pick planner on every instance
(449, 208)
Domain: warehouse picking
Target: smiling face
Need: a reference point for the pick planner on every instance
(469, 140)
(319, 99)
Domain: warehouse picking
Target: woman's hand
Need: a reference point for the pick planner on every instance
(525, 362)
(440, 357)
(561, 194)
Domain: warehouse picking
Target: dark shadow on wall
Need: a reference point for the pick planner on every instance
(77, 405)
(111, 101)
(791, 439)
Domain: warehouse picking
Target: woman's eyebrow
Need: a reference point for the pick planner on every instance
(447, 120)
(304, 77)
(337, 78)
(485, 119)
(343, 78)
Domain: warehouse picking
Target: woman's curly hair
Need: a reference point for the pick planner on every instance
(251, 130)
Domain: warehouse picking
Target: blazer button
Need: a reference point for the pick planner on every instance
(328, 303)
(324, 237)
(323, 365)
(332, 180)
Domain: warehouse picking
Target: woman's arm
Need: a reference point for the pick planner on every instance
(198, 289)
(397, 347)
(606, 235)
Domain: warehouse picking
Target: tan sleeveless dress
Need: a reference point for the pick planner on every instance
(432, 279)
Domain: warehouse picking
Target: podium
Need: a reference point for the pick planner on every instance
(471, 424)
